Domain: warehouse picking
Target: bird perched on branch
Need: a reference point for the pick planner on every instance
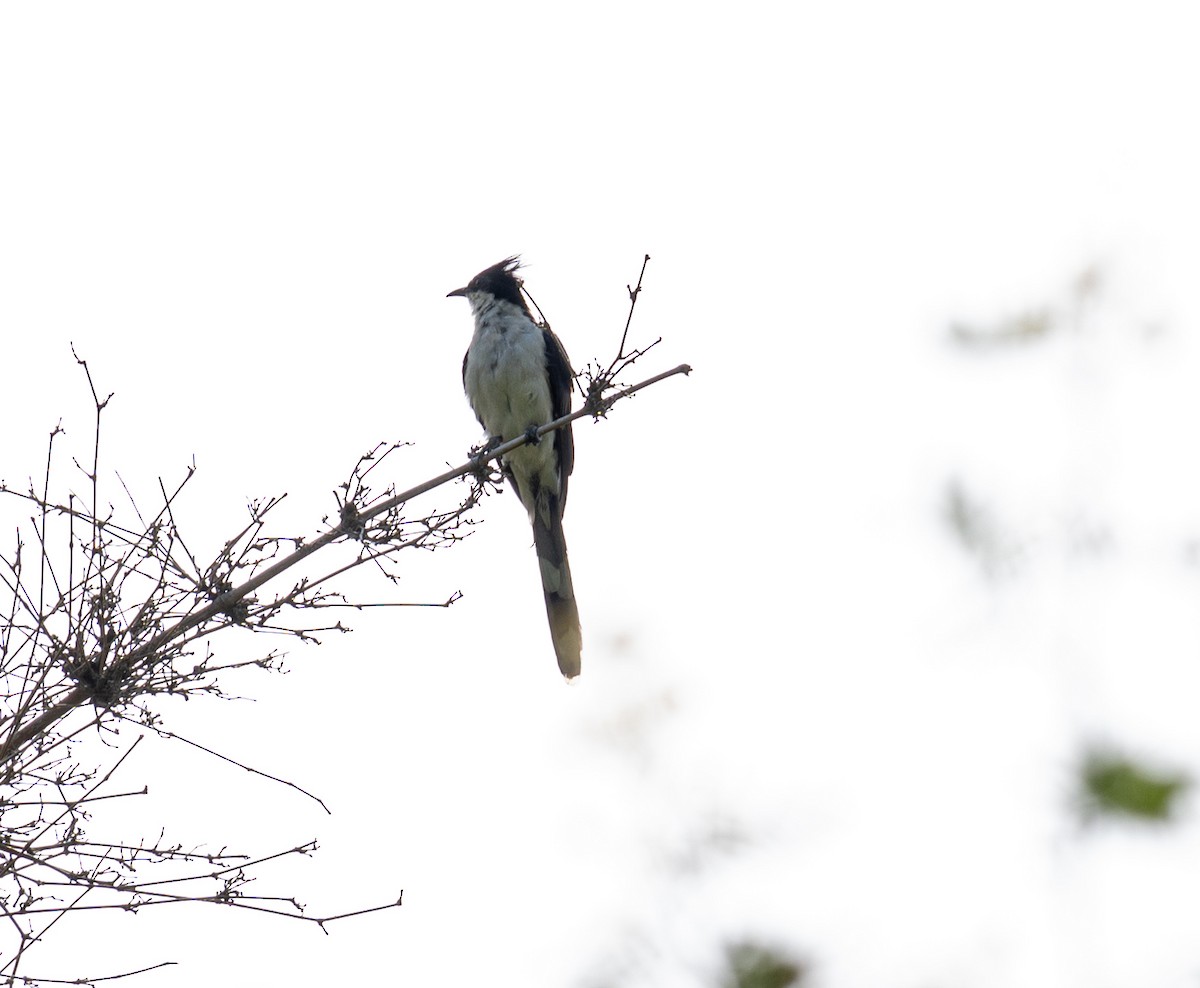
(517, 377)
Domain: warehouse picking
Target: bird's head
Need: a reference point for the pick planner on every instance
(499, 282)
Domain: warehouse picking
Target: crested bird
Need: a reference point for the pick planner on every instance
(517, 377)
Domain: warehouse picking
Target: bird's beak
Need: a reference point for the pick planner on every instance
(457, 291)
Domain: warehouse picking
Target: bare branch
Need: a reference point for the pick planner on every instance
(110, 611)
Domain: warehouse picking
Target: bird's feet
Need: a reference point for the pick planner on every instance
(478, 454)
(531, 435)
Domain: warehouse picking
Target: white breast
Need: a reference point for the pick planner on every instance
(506, 378)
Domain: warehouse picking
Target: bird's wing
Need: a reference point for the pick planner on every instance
(562, 383)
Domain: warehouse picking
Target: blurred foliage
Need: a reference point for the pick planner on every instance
(1028, 327)
(752, 965)
(1116, 786)
(715, 837)
(976, 528)
(1033, 325)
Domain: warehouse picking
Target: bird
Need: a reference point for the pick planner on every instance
(517, 376)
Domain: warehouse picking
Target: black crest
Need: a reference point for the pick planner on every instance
(501, 281)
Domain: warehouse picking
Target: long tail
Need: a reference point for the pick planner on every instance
(556, 584)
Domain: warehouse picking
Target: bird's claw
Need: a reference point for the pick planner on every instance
(479, 453)
(531, 435)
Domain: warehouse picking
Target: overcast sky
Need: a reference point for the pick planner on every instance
(806, 715)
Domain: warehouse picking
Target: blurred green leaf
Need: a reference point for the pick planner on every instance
(752, 965)
(1114, 785)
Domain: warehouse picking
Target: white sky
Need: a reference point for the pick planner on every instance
(246, 217)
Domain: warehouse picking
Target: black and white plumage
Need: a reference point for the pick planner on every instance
(517, 376)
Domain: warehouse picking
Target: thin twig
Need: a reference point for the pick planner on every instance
(233, 761)
(30, 979)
